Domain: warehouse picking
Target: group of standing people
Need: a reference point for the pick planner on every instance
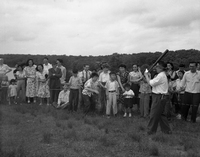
(153, 93)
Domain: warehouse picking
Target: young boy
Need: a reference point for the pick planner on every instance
(112, 93)
(75, 83)
(63, 98)
(89, 93)
(128, 99)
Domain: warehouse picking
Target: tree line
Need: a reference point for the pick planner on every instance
(70, 62)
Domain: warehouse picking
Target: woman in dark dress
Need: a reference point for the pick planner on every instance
(134, 79)
(122, 78)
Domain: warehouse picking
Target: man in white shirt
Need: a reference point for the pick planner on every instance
(103, 78)
(191, 83)
(46, 65)
(159, 90)
(85, 74)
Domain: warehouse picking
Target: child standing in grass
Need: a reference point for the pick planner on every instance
(128, 100)
(4, 89)
(75, 83)
(112, 93)
(12, 92)
(63, 98)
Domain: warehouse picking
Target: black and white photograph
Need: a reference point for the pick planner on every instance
(99, 78)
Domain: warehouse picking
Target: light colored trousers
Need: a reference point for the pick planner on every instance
(144, 104)
(111, 102)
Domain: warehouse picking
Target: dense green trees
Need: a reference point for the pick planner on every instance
(70, 62)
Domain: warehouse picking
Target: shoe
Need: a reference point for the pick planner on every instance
(108, 117)
(40, 104)
(29, 101)
(130, 115)
(34, 101)
(125, 114)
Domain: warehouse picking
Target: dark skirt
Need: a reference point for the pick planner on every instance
(135, 88)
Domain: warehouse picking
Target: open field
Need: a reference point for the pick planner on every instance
(41, 131)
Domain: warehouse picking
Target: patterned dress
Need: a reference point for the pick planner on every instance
(31, 81)
(42, 87)
(124, 80)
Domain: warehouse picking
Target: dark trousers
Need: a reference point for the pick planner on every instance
(103, 99)
(73, 99)
(4, 94)
(54, 95)
(190, 99)
(177, 101)
(89, 103)
(157, 114)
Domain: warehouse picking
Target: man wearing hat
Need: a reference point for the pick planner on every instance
(159, 98)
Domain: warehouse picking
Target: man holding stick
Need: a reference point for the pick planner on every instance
(159, 98)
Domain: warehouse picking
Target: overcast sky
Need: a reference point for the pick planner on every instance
(98, 27)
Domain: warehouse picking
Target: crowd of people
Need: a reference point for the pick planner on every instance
(158, 95)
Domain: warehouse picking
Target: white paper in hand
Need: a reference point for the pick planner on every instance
(146, 71)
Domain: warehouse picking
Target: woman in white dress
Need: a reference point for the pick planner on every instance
(42, 84)
(30, 73)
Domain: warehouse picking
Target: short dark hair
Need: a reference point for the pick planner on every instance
(182, 65)
(12, 80)
(86, 65)
(28, 61)
(171, 65)
(193, 62)
(105, 65)
(94, 74)
(122, 66)
(181, 71)
(60, 60)
(127, 85)
(112, 73)
(75, 71)
(46, 58)
(20, 65)
(163, 64)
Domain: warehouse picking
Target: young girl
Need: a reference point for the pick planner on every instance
(128, 99)
(112, 94)
(21, 78)
(12, 92)
(42, 84)
(4, 89)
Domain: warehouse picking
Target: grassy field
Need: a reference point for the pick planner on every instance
(41, 131)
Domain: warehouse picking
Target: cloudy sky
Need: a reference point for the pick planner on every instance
(98, 27)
